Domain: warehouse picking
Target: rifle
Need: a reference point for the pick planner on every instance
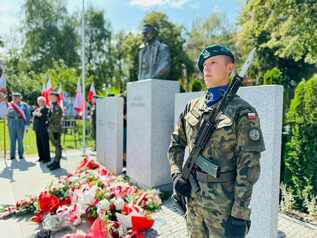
(206, 130)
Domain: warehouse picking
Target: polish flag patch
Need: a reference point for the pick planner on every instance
(252, 116)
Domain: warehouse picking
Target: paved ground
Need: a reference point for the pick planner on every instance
(19, 178)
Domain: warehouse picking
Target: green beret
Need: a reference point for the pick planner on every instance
(210, 51)
(54, 93)
(16, 94)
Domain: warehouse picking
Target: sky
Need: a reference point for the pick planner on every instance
(127, 15)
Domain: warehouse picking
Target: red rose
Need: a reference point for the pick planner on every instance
(66, 201)
(112, 208)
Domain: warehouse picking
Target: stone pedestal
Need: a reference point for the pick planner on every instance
(150, 122)
(268, 101)
(110, 133)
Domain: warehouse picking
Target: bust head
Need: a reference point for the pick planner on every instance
(149, 32)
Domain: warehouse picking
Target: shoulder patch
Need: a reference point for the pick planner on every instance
(254, 134)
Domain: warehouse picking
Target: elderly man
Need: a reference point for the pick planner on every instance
(40, 124)
(18, 120)
(220, 209)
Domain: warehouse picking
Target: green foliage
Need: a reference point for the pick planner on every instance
(273, 76)
(196, 86)
(50, 34)
(212, 30)
(99, 56)
(287, 201)
(301, 150)
(130, 48)
(283, 31)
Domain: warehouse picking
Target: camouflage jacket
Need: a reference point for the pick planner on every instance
(235, 145)
(55, 116)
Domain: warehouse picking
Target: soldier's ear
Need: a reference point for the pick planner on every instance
(231, 68)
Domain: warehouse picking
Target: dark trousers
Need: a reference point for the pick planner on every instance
(55, 139)
(43, 145)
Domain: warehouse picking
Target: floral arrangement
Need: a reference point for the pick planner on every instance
(113, 206)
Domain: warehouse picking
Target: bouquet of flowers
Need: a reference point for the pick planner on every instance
(113, 206)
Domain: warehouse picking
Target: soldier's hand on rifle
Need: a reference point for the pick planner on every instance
(237, 228)
(181, 186)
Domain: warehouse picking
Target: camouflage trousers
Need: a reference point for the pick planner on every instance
(55, 139)
(209, 209)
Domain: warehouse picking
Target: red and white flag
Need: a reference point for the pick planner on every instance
(61, 97)
(91, 93)
(48, 91)
(43, 90)
(79, 100)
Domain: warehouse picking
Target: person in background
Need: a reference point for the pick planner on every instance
(18, 121)
(55, 127)
(40, 124)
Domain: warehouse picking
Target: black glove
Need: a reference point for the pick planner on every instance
(237, 228)
(43, 234)
(181, 186)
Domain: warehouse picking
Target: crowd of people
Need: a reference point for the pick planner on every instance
(47, 124)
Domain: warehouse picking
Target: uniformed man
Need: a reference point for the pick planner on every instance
(55, 116)
(18, 121)
(220, 208)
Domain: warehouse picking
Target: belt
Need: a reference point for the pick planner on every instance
(224, 177)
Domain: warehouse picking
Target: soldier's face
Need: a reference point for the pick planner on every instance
(217, 70)
(53, 98)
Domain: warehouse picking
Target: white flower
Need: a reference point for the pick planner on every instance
(119, 203)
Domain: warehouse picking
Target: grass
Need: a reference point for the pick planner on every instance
(30, 142)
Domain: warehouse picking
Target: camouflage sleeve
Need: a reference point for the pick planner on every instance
(248, 151)
(178, 144)
(59, 113)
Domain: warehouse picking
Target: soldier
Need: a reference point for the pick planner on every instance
(18, 121)
(55, 116)
(220, 208)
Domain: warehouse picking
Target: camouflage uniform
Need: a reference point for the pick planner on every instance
(55, 116)
(235, 146)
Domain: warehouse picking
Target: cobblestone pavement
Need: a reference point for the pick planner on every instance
(23, 177)
(171, 224)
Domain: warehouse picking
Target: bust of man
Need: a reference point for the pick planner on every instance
(154, 56)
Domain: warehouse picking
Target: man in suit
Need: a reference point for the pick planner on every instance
(40, 124)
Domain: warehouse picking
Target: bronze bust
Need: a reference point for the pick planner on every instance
(154, 56)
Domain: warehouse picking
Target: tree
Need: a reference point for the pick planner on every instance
(98, 47)
(213, 30)
(50, 34)
(301, 150)
(130, 48)
(283, 31)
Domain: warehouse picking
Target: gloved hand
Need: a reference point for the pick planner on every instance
(237, 228)
(181, 186)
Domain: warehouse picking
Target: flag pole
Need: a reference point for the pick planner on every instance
(83, 74)
(5, 141)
